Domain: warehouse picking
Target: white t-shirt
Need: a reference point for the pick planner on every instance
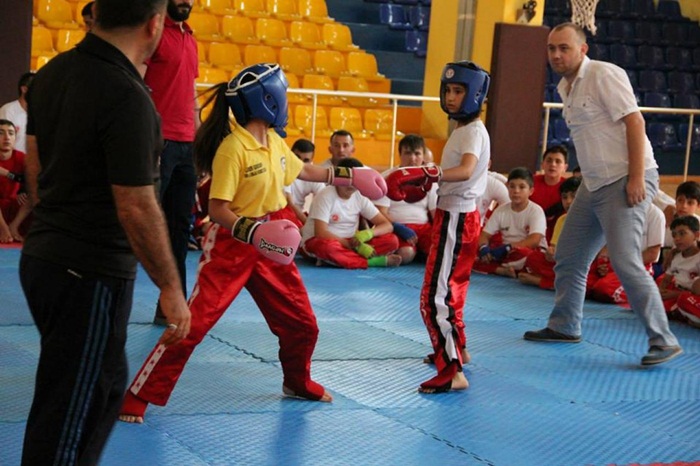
(600, 97)
(654, 229)
(302, 192)
(461, 196)
(416, 213)
(496, 192)
(685, 270)
(341, 215)
(14, 112)
(516, 226)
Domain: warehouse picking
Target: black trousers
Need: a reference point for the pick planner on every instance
(82, 372)
(178, 184)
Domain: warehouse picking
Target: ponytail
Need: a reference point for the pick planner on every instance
(213, 130)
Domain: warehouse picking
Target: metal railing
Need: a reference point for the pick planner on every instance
(548, 106)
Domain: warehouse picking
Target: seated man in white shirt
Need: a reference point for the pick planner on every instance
(300, 193)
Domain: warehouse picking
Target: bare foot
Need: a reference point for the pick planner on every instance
(458, 382)
(133, 409)
(131, 419)
(393, 260)
(325, 398)
(529, 279)
(506, 272)
(5, 235)
(14, 231)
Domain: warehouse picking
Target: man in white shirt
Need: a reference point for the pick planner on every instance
(620, 178)
(16, 111)
(300, 192)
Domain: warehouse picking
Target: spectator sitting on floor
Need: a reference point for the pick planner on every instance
(15, 207)
(331, 231)
(300, 193)
(520, 225)
(539, 265)
(411, 218)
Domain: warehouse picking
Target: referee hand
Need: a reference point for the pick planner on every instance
(178, 316)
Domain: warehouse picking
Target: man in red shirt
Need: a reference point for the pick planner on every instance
(14, 204)
(546, 193)
(171, 73)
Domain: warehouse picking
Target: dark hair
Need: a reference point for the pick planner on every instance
(577, 169)
(689, 189)
(25, 80)
(115, 14)
(303, 146)
(4, 122)
(213, 130)
(557, 149)
(350, 162)
(688, 220)
(341, 132)
(87, 10)
(411, 142)
(521, 173)
(570, 185)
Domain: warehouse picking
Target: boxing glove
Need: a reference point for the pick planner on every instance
(278, 240)
(366, 180)
(365, 250)
(364, 235)
(500, 252)
(484, 250)
(412, 182)
(402, 231)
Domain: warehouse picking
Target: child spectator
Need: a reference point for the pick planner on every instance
(603, 283)
(496, 194)
(331, 231)
(411, 218)
(546, 185)
(539, 265)
(300, 192)
(14, 203)
(521, 224)
(679, 286)
(687, 202)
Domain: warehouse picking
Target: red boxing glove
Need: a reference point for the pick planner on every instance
(278, 240)
(411, 184)
(366, 180)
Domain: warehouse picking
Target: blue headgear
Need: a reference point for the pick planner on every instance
(260, 91)
(474, 78)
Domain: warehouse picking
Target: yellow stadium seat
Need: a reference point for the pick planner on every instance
(272, 32)
(39, 61)
(67, 38)
(303, 119)
(293, 97)
(202, 52)
(329, 62)
(225, 56)
(321, 82)
(314, 10)
(306, 35)
(294, 60)
(77, 10)
(259, 54)
(251, 8)
(208, 75)
(364, 65)
(239, 30)
(55, 14)
(286, 10)
(356, 84)
(379, 122)
(35, 22)
(42, 42)
(205, 27)
(218, 7)
(349, 119)
(338, 37)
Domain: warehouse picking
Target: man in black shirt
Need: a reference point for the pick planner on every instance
(93, 139)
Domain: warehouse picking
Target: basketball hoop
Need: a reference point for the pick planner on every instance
(583, 14)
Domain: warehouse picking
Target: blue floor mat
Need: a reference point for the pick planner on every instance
(528, 403)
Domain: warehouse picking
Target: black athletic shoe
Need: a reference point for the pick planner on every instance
(547, 334)
(660, 354)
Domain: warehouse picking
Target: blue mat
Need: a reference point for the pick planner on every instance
(528, 403)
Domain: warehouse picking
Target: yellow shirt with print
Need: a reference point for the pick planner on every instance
(252, 177)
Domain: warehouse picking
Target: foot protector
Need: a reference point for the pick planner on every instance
(133, 406)
(311, 391)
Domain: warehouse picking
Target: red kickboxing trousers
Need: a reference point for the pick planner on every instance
(226, 266)
(330, 250)
(455, 239)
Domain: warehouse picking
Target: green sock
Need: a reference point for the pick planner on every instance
(377, 261)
